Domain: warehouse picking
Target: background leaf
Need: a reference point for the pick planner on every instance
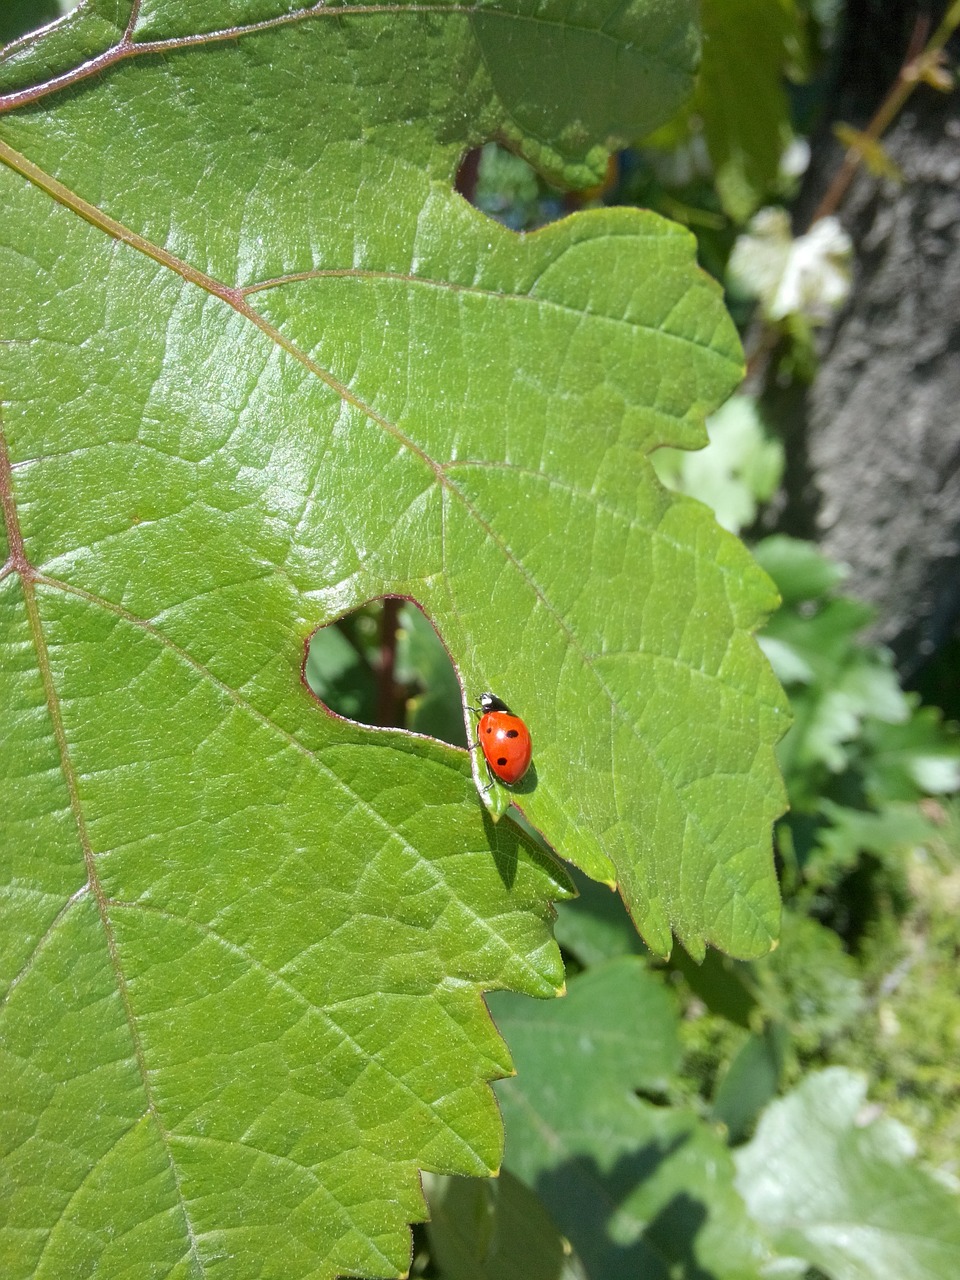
(495, 1229)
(742, 97)
(837, 1189)
(638, 1188)
(741, 465)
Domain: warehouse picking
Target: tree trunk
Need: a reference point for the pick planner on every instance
(874, 444)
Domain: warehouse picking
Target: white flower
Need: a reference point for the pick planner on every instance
(809, 275)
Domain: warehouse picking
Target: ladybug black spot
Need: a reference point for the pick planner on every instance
(513, 733)
(502, 761)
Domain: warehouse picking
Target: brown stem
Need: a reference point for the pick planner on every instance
(907, 79)
(388, 695)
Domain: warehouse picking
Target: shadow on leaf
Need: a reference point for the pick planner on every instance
(589, 1205)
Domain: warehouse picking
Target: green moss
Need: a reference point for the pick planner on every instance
(909, 1039)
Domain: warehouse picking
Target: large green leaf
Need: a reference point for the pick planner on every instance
(261, 364)
(837, 1188)
(640, 1189)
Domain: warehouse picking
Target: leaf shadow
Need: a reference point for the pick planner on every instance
(504, 839)
(583, 1200)
(528, 783)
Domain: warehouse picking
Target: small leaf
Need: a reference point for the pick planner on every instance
(871, 150)
(851, 684)
(789, 666)
(741, 96)
(800, 570)
(633, 64)
(750, 1082)
(888, 835)
(918, 757)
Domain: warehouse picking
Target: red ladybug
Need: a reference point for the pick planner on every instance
(504, 740)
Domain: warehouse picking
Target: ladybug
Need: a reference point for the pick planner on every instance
(504, 740)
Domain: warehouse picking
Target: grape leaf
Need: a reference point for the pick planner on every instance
(841, 1193)
(639, 1189)
(260, 364)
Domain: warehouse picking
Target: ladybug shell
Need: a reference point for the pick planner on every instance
(505, 743)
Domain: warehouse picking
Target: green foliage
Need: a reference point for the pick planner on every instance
(881, 869)
(339, 667)
(748, 45)
(632, 65)
(261, 366)
(910, 1041)
(740, 111)
(839, 1191)
(658, 356)
(750, 1082)
(740, 468)
(639, 1188)
(495, 1230)
(508, 188)
(869, 978)
(811, 987)
(18, 16)
(423, 662)
(860, 751)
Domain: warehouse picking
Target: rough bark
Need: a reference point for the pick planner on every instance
(875, 441)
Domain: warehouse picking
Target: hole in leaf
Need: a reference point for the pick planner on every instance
(384, 665)
(505, 187)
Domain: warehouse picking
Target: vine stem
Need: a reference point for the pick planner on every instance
(918, 60)
(388, 696)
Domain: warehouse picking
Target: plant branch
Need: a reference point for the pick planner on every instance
(917, 65)
(388, 696)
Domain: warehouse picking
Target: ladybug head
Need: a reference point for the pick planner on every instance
(490, 703)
